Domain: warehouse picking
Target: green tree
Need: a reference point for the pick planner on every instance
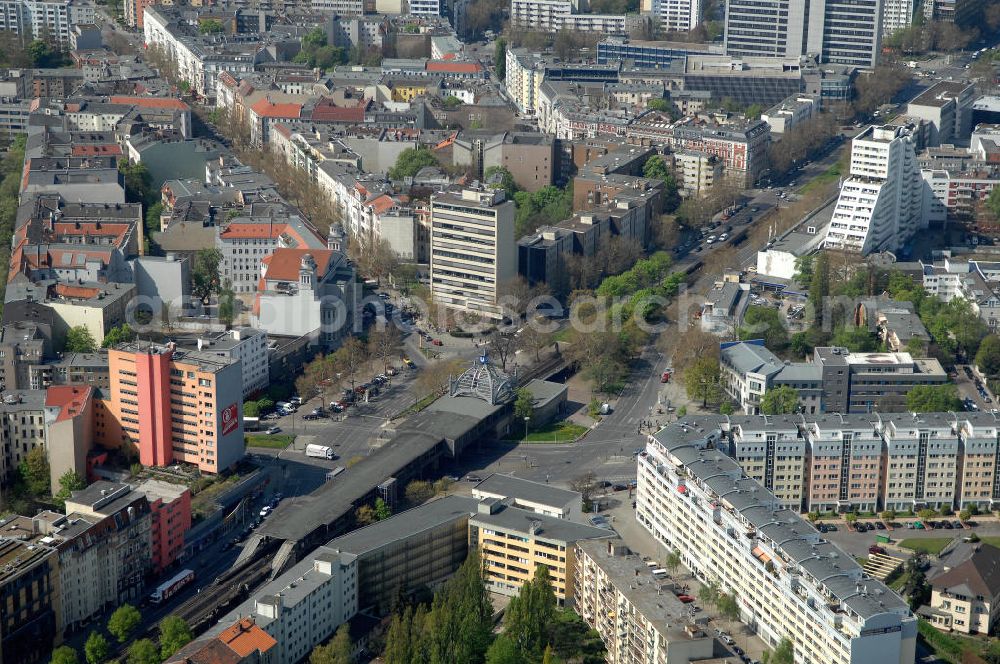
(210, 26)
(933, 399)
(988, 355)
(662, 105)
(889, 515)
(205, 275)
(251, 409)
(673, 562)
(79, 340)
(710, 592)
(123, 622)
(701, 380)
(337, 651)
(992, 202)
(524, 405)
(766, 323)
(118, 335)
(174, 635)
(965, 514)
(153, 214)
(143, 651)
(781, 400)
(500, 58)
(504, 651)
(64, 655)
(926, 513)
(819, 286)
(753, 111)
(857, 339)
(505, 180)
(382, 510)
(138, 183)
(96, 649)
(783, 654)
(451, 102)
(227, 306)
(530, 613)
(34, 471)
(69, 482)
(727, 408)
(655, 168)
(728, 608)
(410, 161)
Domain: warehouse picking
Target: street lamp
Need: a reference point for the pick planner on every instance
(526, 428)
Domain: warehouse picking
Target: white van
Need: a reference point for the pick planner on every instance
(660, 574)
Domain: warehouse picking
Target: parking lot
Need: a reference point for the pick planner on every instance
(972, 389)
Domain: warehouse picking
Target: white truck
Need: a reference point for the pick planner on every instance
(320, 452)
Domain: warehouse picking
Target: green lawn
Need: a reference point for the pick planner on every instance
(931, 545)
(829, 175)
(994, 541)
(559, 432)
(277, 441)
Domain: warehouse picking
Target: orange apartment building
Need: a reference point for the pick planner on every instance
(170, 511)
(189, 405)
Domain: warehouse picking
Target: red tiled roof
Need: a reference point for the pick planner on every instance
(381, 204)
(119, 230)
(245, 637)
(96, 150)
(259, 231)
(284, 263)
(152, 102)
(77, 292)
(325, 110)
(266, 109)
(70, 399)
(454, 67)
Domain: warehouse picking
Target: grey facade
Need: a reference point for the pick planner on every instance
(163, 280)
(872, 382)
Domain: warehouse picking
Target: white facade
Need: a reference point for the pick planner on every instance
(542, 15)
(305, 606)
(788, 581)
(247, 345)
(522, 77)
(897, 15)
(472, 249)
(37, 19)
(791, 112)
(677, 15)
(880, 204)
(425, 7)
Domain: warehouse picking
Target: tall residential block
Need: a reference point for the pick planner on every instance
(29, 595)
(880, 204)
(189, 404)
(787, 579)
(677, 15)
(472, 249)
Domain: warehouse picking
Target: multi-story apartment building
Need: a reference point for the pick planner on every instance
(791, 112)
(617, 595)
(696, 171)
(836, 31)
(40, 19)
(22, 428)
(788, 581)
(522, 77)
(302, 607)
(532, 496)
(170, 519)
(973, 281)
(30, 593)
(513, 542)
(880, 204)
(245, 344)
(189, 404)
(844, 464)
(897, 15)
(741, 146)
(677, 15)
(921, 462)
(772, 455)
(23, 347)
(245, 241)
(946, 107)
(472, 249)
(869, 382)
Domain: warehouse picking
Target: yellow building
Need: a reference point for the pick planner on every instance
(407, 90)
(966, 598)
(513, 541)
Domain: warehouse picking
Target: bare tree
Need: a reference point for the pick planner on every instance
(584, 484)
(502, 347)
(434, 377)
(351, 356)
(533, 340)
(383, 343)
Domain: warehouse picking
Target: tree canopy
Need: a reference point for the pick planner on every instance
(80, 340)
(781, 400)
(123, 622)
(174, 635)
(933, 399)
(988, 355)
(410, 161)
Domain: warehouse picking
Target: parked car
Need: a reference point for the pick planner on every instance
(473, 478)
(875, 548)
(685, 599)
(437, 342)
(273, 430)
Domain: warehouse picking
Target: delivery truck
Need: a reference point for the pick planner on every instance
(320, 452)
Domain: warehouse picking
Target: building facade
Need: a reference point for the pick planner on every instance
(29, 591)
(472, 249)
(788, 581)
(189, 404)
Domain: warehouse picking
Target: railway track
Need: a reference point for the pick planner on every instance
(230, 588)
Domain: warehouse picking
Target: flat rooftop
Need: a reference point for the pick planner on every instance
(508, 486)
(547, 528)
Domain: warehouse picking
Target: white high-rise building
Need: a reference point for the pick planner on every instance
(40, 19)
(839, 31)
(472, 249)
(677, 15)
(880, 204)
(787, 579)
(896, 15)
